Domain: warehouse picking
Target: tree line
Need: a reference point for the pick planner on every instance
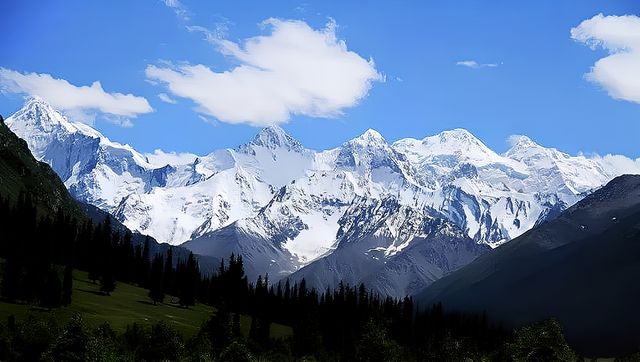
(40, 253)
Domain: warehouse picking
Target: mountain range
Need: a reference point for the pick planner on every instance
(397, 216)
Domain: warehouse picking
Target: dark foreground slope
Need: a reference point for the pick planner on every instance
(21, 172)
(582, 268)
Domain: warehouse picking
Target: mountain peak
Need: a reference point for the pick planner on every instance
(42, 108)
(457, 141)
(35, 102)
(522, 141)
(274, 137)
(370, 150)
(457, 134)
(38, 114)
(370, 136)
(521, 146)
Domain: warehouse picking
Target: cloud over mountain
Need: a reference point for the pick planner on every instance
(293, 70)
(80, 102)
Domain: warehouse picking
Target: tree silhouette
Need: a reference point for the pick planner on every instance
(51, 290)
(67, 284)
(156, 280)
(168, 272)
(189, 277)
(107, 283)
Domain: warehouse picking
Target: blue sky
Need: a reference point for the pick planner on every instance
(529, 76)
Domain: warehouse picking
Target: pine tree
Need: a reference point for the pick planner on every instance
(107, 282)
(126, 259)
(106, 245)
(94, 254)
(236, 332)
(83, 258)
(144, 264)
(67, 284)
(156, 280)
(375, 344)
(189, 282)
(168, 272)
(52, 288)
(260, 323)
(220, 330)
(11, 279)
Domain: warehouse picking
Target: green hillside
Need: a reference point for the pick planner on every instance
(128, 304)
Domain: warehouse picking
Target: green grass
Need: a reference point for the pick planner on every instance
(128, 304)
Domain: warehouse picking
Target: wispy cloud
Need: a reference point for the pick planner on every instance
(119, 121)
(208, 120)
(160, 158)
(213, 36)
(292, 70)
(302, 8)
(81, 103)
(475, 65)
(165, 98)
(619, 72)
(178, 8)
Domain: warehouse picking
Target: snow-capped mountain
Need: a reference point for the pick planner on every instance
(95, 169)
(393, 248)
(426, 204)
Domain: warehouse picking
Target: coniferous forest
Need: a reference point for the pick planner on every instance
(347, 323)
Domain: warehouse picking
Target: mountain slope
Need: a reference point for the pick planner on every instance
(394, 249)
(582, 268)
(21, 172)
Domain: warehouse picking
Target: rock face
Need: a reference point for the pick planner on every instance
(286, 207)
(392, 248)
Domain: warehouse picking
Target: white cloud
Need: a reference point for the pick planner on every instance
(160, 158)
(475, 65)
(621, 164)
(619, 72)
(80, 102)
(165, 98)
(178, 8)
(293, 70)
(468, 63)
